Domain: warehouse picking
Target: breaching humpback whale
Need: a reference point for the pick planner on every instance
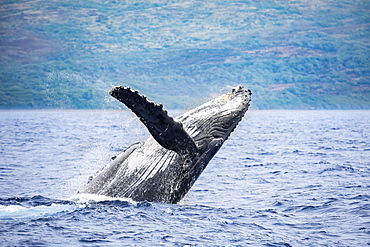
(165, 166)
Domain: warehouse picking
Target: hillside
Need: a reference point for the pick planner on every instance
(291, 54)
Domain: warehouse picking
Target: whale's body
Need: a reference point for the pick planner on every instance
(165, 166)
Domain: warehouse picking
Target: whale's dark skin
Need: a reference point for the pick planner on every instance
(165, 166)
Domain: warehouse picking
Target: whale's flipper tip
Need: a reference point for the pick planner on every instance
(164, 129)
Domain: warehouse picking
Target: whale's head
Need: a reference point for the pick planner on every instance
(207, 126)
(216, 119)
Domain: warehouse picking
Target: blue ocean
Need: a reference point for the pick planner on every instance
(283, 178)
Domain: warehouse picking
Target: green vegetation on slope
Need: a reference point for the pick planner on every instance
(292, 55)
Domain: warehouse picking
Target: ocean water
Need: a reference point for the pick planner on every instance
(284, 178)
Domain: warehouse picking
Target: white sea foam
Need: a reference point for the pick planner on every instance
(92, 198)
(17, 211)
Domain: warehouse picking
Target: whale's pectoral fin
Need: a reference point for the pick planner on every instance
(165, 130)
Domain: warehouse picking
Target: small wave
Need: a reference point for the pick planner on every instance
(338, 168)
(39, 206)
(33, 207)
(17, 211)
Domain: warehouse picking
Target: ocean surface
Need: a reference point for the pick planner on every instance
(284, 178)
